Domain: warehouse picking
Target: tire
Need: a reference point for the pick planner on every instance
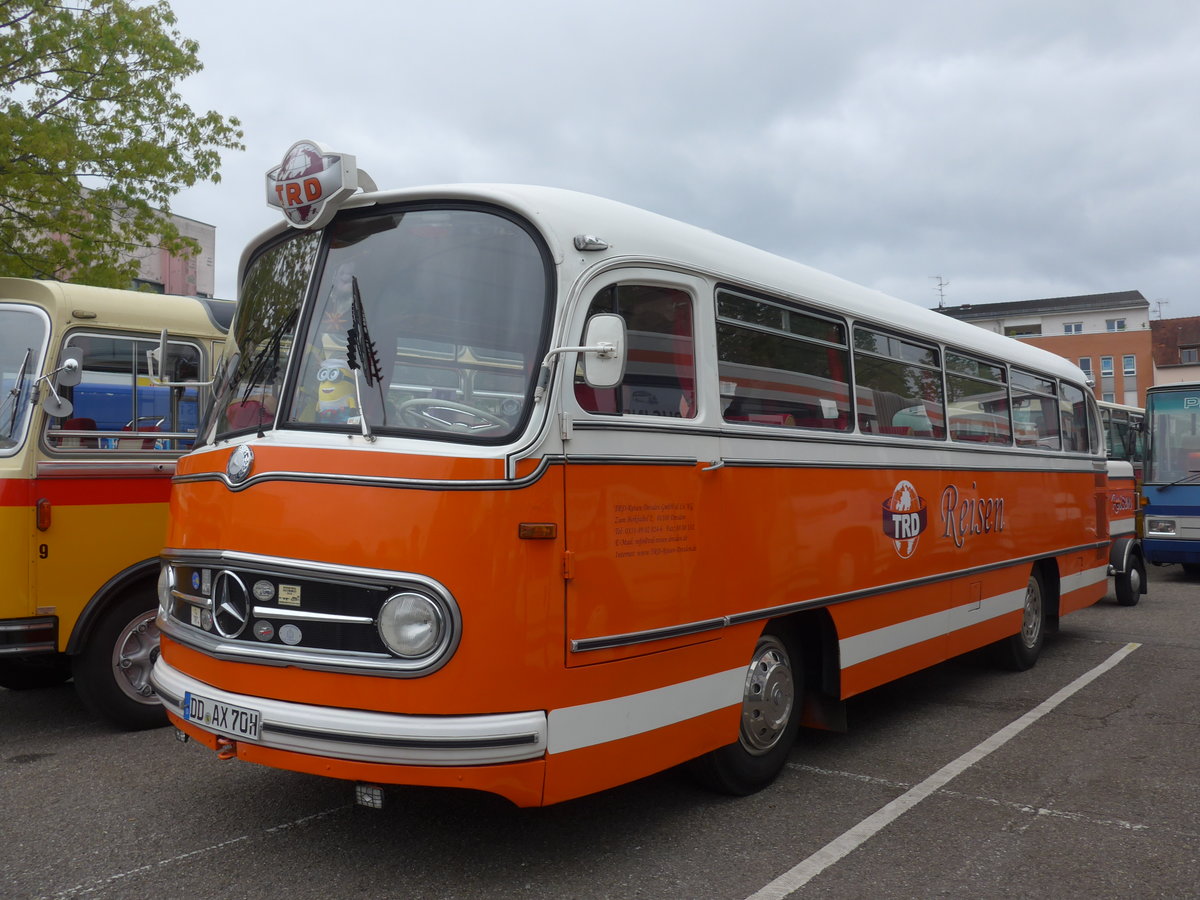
(770, 720)
(35, 672)
(1128, 584)
(1020, 651)
(1191, 568)
(112, 674)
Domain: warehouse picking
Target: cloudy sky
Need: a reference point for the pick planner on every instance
(1016, 149)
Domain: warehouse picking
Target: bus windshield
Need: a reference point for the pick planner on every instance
(22, 344)
(1174, 445)
(427, 321)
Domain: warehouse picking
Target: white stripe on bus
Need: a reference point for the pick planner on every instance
(872, 644)
(574, 727)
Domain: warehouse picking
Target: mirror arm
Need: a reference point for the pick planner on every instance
(604, 349)
(156, 360)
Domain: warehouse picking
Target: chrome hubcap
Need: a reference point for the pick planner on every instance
(134, 655)
(768, 699)
(1031, 626)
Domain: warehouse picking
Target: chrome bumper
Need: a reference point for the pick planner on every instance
(370, 736)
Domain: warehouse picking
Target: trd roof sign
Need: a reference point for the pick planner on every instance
(311, 182)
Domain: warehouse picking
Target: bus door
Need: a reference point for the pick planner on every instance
(637, 489)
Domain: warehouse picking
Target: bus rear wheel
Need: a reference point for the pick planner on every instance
(112, 674)
(770, 720)
(1020, 651)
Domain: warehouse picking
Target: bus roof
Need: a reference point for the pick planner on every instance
(117, 308)
(642, 236)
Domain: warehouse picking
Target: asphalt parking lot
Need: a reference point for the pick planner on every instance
(1078, 778)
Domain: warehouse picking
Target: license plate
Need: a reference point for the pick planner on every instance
(223, 717)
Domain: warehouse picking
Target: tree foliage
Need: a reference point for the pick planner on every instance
(94, 137)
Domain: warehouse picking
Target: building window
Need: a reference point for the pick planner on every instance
(1189, 354)
(1016, 331)
(1129, 364)
(1072, 328)
(1106, 366)
(1085, 363)
(1108, 397)
(1114, 324)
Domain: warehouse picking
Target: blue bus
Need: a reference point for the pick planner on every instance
(1171, 491)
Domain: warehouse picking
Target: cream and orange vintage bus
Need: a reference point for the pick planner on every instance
(521, 490)
(88, 444)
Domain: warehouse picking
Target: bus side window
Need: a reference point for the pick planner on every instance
(116, 400)
(660, 375)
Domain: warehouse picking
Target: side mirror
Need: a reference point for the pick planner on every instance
(158, 361)
(68, 374)
(604, 356)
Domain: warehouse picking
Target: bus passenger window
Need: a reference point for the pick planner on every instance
(781, 366)
(660, 373)
(977, 403)
(899, 385)
(1073, 411)
(1035, 412)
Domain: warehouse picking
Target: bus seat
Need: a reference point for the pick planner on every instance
(81, 423)
(138, 443)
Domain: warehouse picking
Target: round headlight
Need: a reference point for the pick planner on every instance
(411, 625)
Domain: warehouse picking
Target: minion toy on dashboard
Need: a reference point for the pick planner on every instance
(335, 397)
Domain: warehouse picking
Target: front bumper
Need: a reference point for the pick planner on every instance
(372, 737)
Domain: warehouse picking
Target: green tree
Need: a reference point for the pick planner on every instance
(94, 137)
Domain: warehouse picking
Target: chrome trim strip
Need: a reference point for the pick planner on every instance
(377, 481)
(656, 634)
(133, 468)
(379, 737)
(28, 649)
(349, 661)
(27, 625)
(583, 645)
(279, 612)
(276, 565)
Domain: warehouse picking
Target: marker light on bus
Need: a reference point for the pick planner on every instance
(412, 625)
(1160, 526)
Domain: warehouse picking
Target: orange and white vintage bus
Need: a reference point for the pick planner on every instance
(88, 444)
(527, 491)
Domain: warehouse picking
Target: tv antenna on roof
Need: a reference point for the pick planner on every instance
(941, 289)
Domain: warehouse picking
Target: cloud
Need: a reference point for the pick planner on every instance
(1018, 149)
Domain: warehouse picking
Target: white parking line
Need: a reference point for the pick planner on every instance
(990, 801)
(100, 883)
(802, 873)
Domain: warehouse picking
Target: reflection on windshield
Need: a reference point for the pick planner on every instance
(22, 344)
(248, 392)
(453, 304)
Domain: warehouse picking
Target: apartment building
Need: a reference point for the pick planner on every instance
(1107, 335)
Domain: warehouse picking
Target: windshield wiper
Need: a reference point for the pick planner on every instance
(362, 357)
(1191, 474)
(264, 365)
(14, 395)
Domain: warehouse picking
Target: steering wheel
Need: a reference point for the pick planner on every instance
(419, 412)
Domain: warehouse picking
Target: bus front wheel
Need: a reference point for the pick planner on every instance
(1128, 584)
(112, 674)
(770, 720)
